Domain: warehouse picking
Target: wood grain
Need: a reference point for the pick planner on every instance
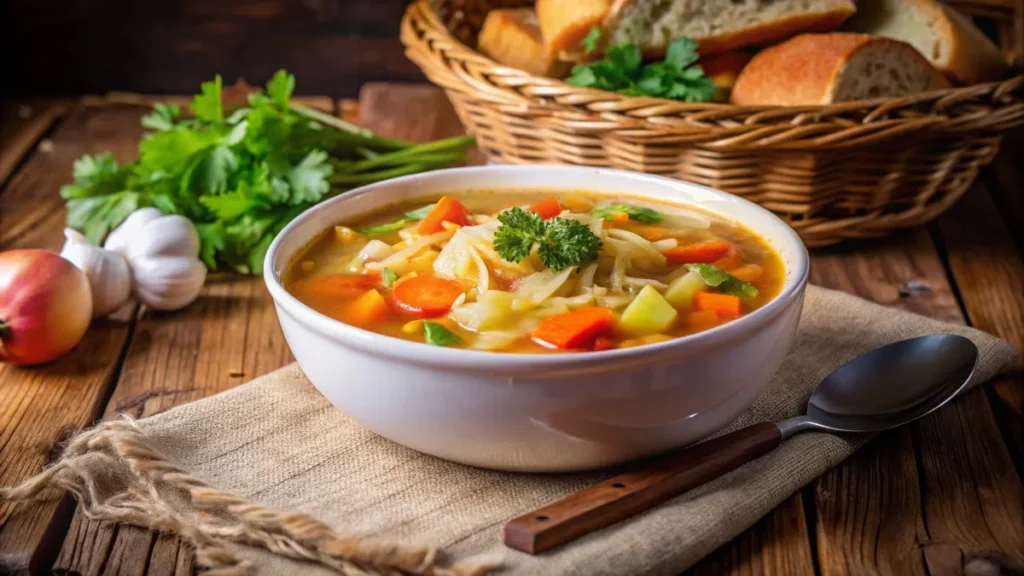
(988, 269)
(934, 482)
(42, 406)
(22, 124)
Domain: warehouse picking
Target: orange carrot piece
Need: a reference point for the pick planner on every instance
(729, 262)
(331, 286)
(426, 296)
(547, 208)
(652, 233)
(603, 343)
(367, 310)
(701, 319)
(447, 209)
(576, 329)
(724, 305)
(748, 273)
(700, 253)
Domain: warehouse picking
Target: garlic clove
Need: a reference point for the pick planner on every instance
(109, 276)
(167, 282)
(123, 236)
(165, 236)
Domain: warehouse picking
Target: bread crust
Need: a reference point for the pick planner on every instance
(759, 34)
(805, 70)
(971, 57)
(511, 36)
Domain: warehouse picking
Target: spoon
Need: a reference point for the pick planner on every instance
(882, 389)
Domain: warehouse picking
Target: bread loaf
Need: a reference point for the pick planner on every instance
(813, 69)
(948, 39)
(718, 25)
(512, 37)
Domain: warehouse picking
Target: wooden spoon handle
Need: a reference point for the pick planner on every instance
(648, 485)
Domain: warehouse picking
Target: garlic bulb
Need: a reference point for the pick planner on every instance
(109, 275)
(162, 253)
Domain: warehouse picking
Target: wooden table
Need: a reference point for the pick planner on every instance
(926, 499)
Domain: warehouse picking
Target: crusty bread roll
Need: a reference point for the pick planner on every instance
(718, 25)
(512, 37)
(948, 39)
(813, 69)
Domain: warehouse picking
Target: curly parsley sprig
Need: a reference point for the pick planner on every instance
(561, 242)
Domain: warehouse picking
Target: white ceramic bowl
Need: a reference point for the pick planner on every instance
(527, 412)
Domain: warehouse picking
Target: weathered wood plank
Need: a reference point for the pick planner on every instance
(915, 495)
(22, 124)
(988, 269)
(41, 406)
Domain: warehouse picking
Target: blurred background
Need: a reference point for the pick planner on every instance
(63, 47)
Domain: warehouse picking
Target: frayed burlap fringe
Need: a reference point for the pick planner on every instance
(216, 519)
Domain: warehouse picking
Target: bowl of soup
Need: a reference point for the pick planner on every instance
(538, 318)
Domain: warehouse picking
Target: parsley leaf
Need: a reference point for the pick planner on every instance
(723, 281)
(640, 214)
(438, 335)
(280, 88)
(239, 174)
(675, 78)
(207, 104)
(163, 117)
(591, 40)
(562, 242)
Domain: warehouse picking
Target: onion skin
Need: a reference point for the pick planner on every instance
(45, 306)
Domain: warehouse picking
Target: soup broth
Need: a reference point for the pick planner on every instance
(529, 272)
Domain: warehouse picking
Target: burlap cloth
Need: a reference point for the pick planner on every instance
(205, 470)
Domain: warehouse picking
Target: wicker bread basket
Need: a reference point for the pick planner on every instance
(837, 172)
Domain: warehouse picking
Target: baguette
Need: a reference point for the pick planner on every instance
(512, 37)
(948, 39)
(718, 25)
(814, 69)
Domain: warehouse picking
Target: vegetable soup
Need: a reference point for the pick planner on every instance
(529, 272)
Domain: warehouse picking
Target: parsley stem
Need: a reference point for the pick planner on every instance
(370, 177)
(411, 153)
(335, 122)
(436, 158)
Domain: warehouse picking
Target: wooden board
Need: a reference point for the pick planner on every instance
(40, 407)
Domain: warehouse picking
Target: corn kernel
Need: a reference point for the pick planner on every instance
(400, 245)
(413, 327)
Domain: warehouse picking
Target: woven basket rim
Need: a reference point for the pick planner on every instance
(545, 95)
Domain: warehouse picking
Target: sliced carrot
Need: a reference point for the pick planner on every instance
(722, 304)
(729, 262)
(427, 296)
(700, 253)
(576, 329)
(747, 273)
(447, 209)
(603, 343)
(620, 217)
(367, 310)
(652, 233)
(331, 286)
(547, 208)
(701, 319)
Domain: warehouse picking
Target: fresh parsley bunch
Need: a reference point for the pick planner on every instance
(561, 242)
(240, 175)
(677, 77)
